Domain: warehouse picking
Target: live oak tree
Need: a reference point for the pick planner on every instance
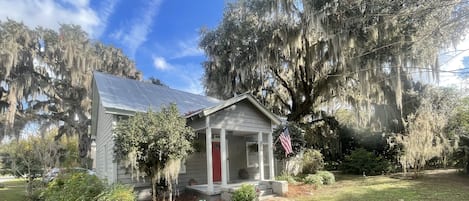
(299, 56)
(154, 143)
(45, 77)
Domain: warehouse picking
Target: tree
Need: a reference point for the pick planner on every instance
(458, 126)
(154, 143)
(425, 137)
(46, 77)
(296, 56)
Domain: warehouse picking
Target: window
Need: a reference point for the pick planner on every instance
(252, 154)
(182, 170)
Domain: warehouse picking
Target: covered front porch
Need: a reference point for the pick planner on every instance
(234, 157)
(238, 145)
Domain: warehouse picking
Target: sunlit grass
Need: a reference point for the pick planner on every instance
(444, 187)
(13, 190)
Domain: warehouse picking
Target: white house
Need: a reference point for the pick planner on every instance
(234, 136)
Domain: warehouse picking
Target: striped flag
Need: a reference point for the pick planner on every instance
(286, 141)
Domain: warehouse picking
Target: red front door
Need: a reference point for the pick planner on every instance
(216, 159)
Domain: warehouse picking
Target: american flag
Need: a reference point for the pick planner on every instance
(286, 141)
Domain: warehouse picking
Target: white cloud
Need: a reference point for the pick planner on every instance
(188, 48)
(189, 79)
(160, 63)
(448, 75)
(140, 27)
(50, 14)
(107, 8)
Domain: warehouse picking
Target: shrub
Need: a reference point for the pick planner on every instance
(313, 179)
(327, 177)
(77, 186)
(312, 161)
(286, 177)
(362, 161)
(245, 193)
(117, 192)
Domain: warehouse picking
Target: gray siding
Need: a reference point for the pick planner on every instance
(105, 168)
(241, 117)
(197, 123)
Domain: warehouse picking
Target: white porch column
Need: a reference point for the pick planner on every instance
(261, 155)
(271, 157)
(224, 175)
(208, 151)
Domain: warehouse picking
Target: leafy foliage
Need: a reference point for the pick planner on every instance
(327, 177)
(245, 193)
(297, 141)
(361, 161)
(425, 137)
(313, 179)
(117, 192)
(78, 186)
(285, 177)
(458, 126)
(312, 161)
(154, 143)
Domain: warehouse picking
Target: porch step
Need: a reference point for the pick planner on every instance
(265, 192)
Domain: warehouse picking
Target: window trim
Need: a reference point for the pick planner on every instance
(266, 145)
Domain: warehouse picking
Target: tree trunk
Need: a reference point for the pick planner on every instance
(29, 188)
(153, 187)
(170, 190)
(84, 147)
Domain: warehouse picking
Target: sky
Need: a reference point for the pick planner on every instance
(161, 36)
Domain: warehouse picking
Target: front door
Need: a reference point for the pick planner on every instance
(216, 159)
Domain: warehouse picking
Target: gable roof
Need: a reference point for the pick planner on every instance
(210, 110)
(126, 95)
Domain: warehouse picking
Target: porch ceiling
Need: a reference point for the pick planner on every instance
(228, 132)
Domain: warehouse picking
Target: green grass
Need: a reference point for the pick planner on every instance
(441, 186)
(13, 191)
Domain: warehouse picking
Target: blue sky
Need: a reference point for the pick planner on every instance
(161, 36)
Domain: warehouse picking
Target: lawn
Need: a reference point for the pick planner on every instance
(435, 185)
(13, 190)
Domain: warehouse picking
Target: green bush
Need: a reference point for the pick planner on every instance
(361, 161)
(312, 161)
(327, 177)
(245, 193)
(117, 192)
(286, 177)
(76, 186)
(313, 179)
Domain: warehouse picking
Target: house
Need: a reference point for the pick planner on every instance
(234, 136)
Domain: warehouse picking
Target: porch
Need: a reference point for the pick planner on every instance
(264, 189)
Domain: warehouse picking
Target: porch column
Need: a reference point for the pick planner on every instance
(261, 155)
(224, 175)
(271, 157)
(208, 151)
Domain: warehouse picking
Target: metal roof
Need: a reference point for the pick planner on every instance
(135, 96)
